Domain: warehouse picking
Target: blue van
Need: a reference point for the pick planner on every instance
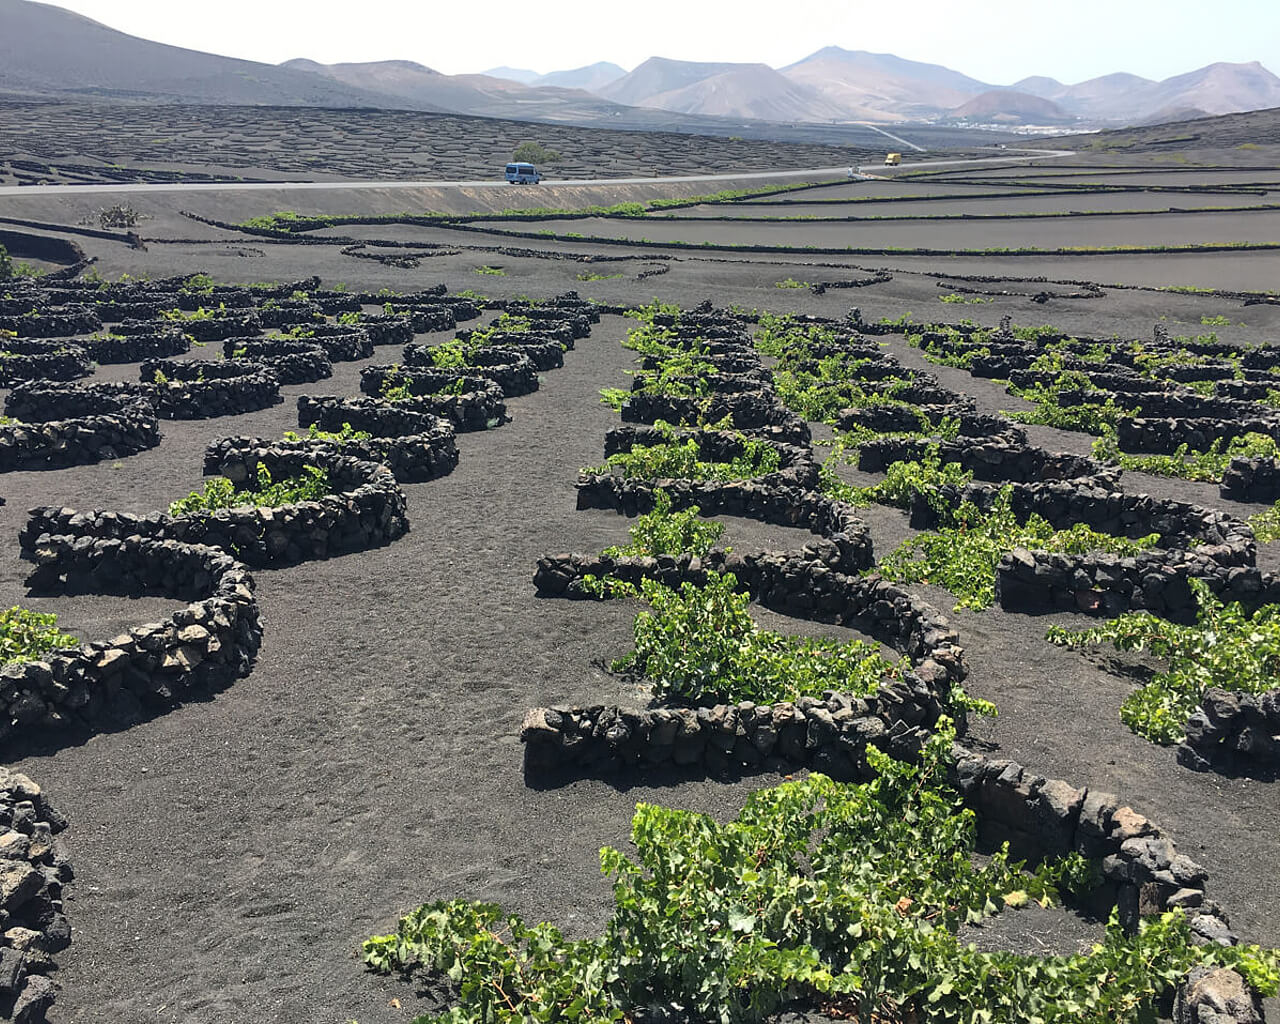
(522, 174)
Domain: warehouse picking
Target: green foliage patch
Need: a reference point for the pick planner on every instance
(343, 436)
(962, 554)
(846, 896)
(26, 635)
(664, 532)
(1185, 463)
(1226, 647)
(675, 460)
(701, 644)
(219, 492)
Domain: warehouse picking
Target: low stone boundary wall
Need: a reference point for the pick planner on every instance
(203, 389)
(778, 504)
(474, 410)
(511, 370)
(58, 322)
(292, 361)
(1163, 436)
(1212, 533)
(367, 509)
(70, 426)
(134, 348)
(1251, 479)
(993, 460)
(202, 647)
(414, 458)
(387, 330)
(39, 360)
(753, 412)
(35, 871)
(341, 344)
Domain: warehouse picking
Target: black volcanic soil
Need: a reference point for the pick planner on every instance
(232, 854)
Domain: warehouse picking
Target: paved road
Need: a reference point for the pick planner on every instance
(292, 186)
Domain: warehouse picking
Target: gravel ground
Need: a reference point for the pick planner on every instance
(232, 854)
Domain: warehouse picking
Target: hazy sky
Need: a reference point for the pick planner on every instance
(996, 42)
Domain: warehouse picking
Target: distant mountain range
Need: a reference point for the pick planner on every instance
(47, 51)
(838, 84)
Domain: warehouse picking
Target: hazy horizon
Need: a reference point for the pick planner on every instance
(1001, 44)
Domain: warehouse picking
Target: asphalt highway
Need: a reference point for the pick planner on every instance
(271, 186)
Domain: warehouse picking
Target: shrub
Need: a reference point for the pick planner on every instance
(491, 271)
(663, 532)
(27, 636)
(1086, 417)
(343, 436)
(680, 461)
(1227, 647)
(6, 264)
(535, 153)
(700, 644)
(394, 388)
(220, 493)
(122, 215)
(1184, 463)
(849, 897)
(963, 554)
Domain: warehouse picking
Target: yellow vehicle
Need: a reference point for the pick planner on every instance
(892, 159)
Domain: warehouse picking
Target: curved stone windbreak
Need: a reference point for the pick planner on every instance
(430, 451)
(1235, 732)
(58, 322)
(112, 312)
(1251, 479)
(220, 327)
(203, 389)
(510, 369)
(468, 390)
(796, 467)
(1212, 534)
(426, 319)
(481, 409)
(991, 459)
(34, 872)
(751, 412)
(366, 509)
(201, 647)
(1164, 436)
(72, 426)
(290, 313)
(779, 504)
(134, 348)
(341, 344)
(292, 361)
(387, 330)
(40, 360)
